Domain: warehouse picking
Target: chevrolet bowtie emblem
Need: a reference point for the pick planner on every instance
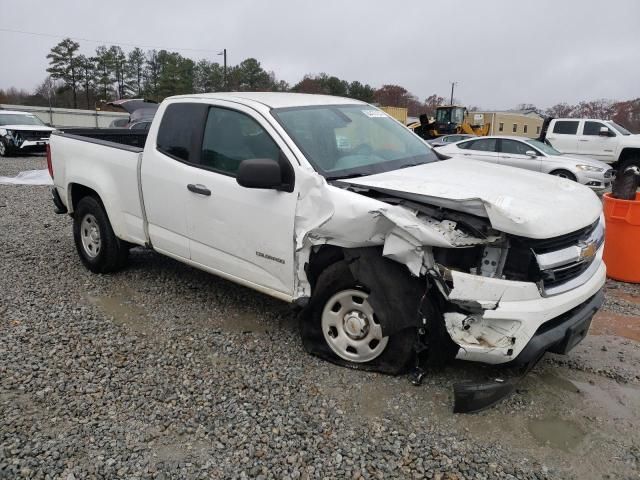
(588, 251)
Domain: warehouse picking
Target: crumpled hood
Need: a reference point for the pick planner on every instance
(32, 128)
(516, 201)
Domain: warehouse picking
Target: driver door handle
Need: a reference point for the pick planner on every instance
(199, 189)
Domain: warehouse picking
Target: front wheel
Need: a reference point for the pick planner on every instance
(341, 326)
(99, 248)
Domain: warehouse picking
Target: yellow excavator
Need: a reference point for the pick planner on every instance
(449, 120)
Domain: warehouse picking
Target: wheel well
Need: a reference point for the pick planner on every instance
(629, 153)
(78, 192)
(320, 259)
(557, 170)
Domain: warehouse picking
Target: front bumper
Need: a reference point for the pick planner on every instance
(32, 146)
(595, 180)
(561, 334)
(507, 318)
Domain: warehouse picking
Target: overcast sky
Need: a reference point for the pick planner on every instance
(501, 52)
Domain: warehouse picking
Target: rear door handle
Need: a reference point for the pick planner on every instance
(582, 140)
(199, 189)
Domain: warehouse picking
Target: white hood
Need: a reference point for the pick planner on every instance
(32, 128)
(516, 201)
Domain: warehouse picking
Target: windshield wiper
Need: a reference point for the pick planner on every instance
(410, 165)
(352, 175)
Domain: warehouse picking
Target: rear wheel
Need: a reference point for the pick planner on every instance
(564, 174)
(342, 327)
(99, 248)
(629, 162)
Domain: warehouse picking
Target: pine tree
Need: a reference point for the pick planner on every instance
(64, 65)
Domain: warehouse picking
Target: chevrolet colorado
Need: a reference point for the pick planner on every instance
(331, 204)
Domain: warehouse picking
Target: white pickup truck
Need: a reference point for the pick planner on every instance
(602, 140)
(331, 204)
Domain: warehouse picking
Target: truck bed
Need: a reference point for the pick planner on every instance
(118, 137)
(106, 161)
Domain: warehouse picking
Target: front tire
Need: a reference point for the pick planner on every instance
(341, 326)
(99, 248)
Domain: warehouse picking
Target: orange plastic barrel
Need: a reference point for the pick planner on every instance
(622, 238)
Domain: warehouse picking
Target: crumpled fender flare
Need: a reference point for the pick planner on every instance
(394, 293)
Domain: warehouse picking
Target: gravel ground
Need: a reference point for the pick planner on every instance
(162, 371)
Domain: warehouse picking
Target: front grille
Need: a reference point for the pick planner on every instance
(32, 135)
(558, 276)
(563, 241)
(522, 263)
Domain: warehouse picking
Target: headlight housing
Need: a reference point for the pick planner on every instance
(589, 168)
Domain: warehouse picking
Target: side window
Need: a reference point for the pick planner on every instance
(179, 132)
(566, 127)
(231, 137)
(514, 147)
(592, 128)
(483, 145)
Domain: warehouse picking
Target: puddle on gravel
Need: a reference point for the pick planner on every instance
(609, 323)
(121, 306)
(559, 383)
(244, 322)
(556, 433)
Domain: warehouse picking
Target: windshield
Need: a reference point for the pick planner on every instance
(619, 128)
(545, 148)
(344, 141)
(12, 119)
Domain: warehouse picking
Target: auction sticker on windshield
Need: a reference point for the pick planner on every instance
(374, 113)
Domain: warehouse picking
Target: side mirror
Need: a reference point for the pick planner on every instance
(605, 132)
(531, 153)
(260, 173)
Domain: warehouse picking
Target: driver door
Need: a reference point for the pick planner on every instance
(244, 233)
(513, 154)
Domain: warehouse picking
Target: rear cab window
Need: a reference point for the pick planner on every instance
(180, 131)
(566, 127)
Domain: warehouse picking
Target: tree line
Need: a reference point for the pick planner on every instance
(76, 80)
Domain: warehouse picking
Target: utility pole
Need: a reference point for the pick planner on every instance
(453, 84)
(224, 53)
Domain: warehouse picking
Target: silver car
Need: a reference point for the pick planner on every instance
(447, 139)
(522, 152)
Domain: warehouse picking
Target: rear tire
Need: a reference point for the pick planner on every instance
(341, 327)
(99, 248)
(629, 162)
(564, 174)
